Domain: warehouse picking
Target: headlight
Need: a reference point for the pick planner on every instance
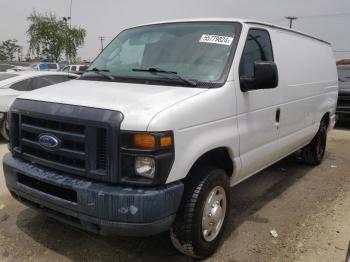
(145, 166)
(146, 157)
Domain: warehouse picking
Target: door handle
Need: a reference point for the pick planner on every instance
(278, 115)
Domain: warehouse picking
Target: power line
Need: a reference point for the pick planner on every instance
(326, 15)
(316, 16)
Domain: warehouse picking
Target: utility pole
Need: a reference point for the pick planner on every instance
(66, 19)
(102, 38)
(291, 19)
(70, 14)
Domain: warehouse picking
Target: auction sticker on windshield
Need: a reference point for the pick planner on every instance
(216, 39)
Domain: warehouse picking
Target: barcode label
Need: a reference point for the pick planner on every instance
(216, 39)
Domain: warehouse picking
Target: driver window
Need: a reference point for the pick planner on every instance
(257, 48)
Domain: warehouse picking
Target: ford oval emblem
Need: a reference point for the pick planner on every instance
(49, 142)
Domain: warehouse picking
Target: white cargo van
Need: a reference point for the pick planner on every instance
(167, 118)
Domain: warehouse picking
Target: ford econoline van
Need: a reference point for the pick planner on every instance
(166, 119)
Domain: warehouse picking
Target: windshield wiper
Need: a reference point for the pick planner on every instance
(159, 70)
(102, 72)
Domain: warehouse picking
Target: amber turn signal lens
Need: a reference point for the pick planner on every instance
(166, 141)
(144, 141)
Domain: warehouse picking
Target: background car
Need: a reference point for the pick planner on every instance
(76, 69)
(14, 84)
(343, 106)
(44, 66)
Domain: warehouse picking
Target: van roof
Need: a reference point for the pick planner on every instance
(239, 20)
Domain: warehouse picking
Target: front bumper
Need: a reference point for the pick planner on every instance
(94, 206)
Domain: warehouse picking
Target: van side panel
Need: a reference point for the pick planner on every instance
(307, 90)
(308, 86)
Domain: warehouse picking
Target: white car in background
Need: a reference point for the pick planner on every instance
(45, 66)
(17, 83)
(42, 66)
(76, 69)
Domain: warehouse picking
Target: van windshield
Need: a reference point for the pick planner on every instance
(172, 53)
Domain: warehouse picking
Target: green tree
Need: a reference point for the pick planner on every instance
(2, 56)
(8, 49)
(76, 38)
(50, 37)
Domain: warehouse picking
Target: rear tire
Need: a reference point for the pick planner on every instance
(314, 152)
(203, 214)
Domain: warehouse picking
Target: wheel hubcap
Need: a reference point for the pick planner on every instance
(214, 213)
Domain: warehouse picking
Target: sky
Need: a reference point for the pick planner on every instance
(325, 19)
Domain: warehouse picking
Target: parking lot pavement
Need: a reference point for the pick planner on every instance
(309, 208)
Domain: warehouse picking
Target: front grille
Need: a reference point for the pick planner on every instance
(72, 152)
(88, 146)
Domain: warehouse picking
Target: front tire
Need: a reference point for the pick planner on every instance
(314, 152)
(203, 214)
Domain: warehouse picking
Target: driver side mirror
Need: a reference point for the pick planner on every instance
(265, 77)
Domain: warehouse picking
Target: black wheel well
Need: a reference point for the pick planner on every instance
(325, 119)
(218, 157)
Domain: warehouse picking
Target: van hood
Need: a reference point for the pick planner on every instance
(139, 103)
